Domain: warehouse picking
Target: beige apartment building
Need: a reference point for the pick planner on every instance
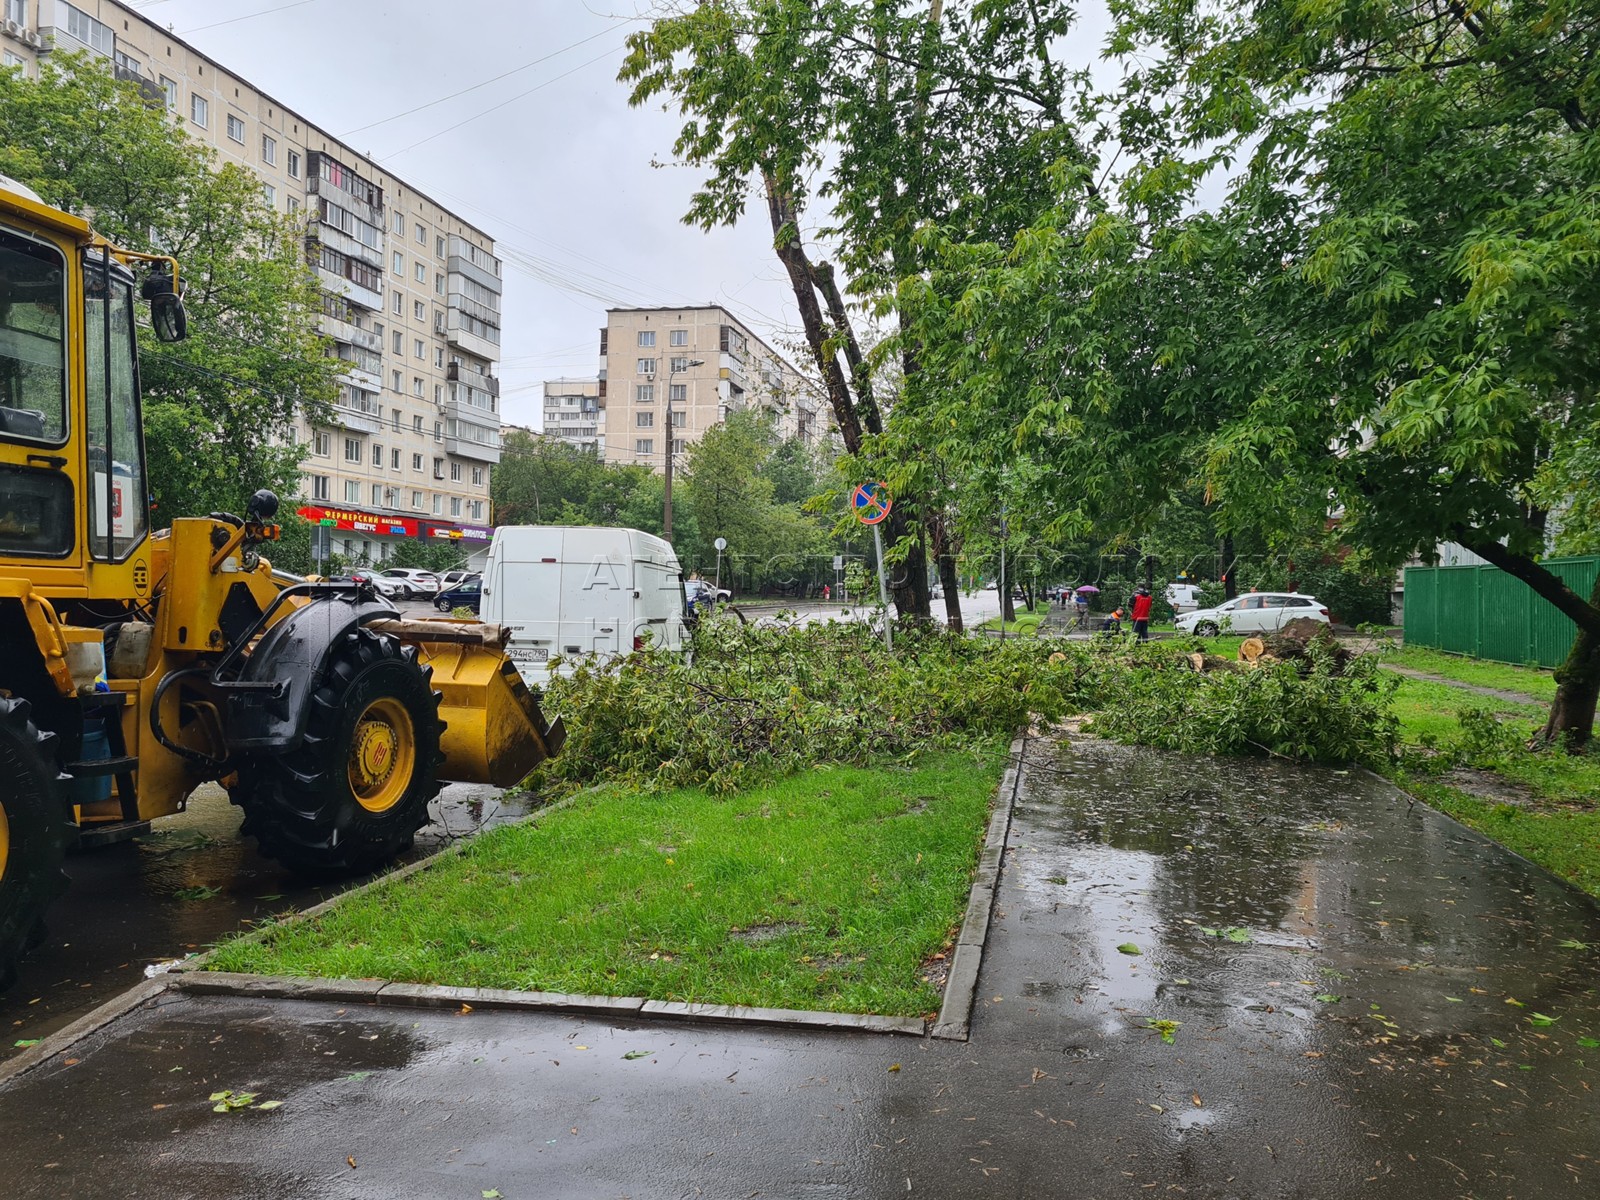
(685, 370)
(411, 290)
(573, 414)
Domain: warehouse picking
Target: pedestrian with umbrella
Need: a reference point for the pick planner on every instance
(1081, 599)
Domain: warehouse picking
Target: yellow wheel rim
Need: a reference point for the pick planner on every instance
(383, 755)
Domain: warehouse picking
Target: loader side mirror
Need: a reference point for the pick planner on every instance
(167, 315)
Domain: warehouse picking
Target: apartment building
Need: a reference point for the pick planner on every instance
(412, 291)
(669, 374)
(574, 412)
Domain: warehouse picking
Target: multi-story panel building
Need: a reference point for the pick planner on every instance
(574, 412)
(669, 374)
(411, 290)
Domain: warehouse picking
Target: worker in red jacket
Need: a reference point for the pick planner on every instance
(1142, 600)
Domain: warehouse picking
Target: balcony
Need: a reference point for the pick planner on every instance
(367, 298)
(465, 439)
(358, 419)
(459, 332)
(152, 92)
(352, 335)
(461, 373)
(367, 381)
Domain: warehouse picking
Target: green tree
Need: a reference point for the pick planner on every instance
(221, 407)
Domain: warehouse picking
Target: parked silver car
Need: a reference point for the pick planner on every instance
(1255, 612)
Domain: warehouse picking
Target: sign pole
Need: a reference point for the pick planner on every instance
(883, 591)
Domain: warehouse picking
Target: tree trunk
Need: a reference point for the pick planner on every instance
(1571, 721)
(950, 582)
(1008, 610)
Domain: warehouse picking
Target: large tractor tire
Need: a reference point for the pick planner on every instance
(34, 832)
(355, 792)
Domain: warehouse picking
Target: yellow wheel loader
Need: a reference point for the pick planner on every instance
(136, 665)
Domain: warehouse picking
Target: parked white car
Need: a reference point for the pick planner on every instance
(389, 589)
(1255, 612)
(417, 581)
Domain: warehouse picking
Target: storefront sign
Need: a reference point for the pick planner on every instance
(361, 522)
(463, 533)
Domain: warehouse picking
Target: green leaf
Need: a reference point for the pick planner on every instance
(1167, 1029)
(1541, 1021)
(1498, 1042)
(1589, 1043)
(1129, 948)
(269, 1105)
(491, 1194)
(1572, 944)
(26, 1042)
(1329, 998)
(633, 1054)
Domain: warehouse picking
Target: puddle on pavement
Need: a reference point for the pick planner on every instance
(175, 891)
(1307, 907)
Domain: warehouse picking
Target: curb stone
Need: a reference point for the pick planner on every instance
(960, 989)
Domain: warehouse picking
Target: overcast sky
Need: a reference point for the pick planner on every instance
(550, 161)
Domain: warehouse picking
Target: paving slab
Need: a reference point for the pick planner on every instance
(1363, 999)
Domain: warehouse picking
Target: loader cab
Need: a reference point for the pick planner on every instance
(74, 508)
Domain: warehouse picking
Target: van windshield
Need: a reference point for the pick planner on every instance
(33, 346)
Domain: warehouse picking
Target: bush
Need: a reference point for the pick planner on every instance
(1311, 712)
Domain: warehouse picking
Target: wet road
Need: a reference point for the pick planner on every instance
(174, 892)
(1362, 999)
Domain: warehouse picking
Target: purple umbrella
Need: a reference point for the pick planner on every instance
(1088, 587)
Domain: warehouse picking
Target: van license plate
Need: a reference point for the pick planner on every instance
(534, 654)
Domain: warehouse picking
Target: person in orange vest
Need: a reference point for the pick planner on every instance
(1142, 600)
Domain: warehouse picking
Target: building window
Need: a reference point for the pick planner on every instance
(438, 246)
(438, 504)
(647, 339)
(399, 263)
(455, 472)
(400, 223)
(679, 419)
(321, 444)
(647, 366)
(319, 487)
(419, 310)
(377, 455)
(422, 236)
(294, 164)
(438, 431)
(395, 414)
(394, 380)
(455, 506)
(438, 357)
(394, 459)
(352, 491)
(679, 445)
(644, 420)
(235, 129)
(416, 385)
(678, 337)
(399, 305)
(421, 272)
(645, 393)
(170, 87)
(438, 468)
(270, 195)
(352, 450)
(477, 476)
(644, 446)
(17, 10)
(678, 391)
(416, 424)
(269, 150)
(198, 110)
(399, 342)
(438, 393)
(377, 495)
(291, 205)
(680, 364)
(418, 350)
(416, 459)
(416, 501)
(89, 31)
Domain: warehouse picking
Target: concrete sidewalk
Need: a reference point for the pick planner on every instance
(1363, 999)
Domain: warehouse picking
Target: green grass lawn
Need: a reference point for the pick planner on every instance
(827, 890)
(1535, 681)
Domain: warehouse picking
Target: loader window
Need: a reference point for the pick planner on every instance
(119, 501)
(33, 346)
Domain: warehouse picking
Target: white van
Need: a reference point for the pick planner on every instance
(569, 591)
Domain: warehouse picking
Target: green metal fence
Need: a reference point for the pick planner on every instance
(1483, 612)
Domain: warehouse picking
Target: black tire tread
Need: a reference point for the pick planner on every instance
(298, 806)
(33, 876)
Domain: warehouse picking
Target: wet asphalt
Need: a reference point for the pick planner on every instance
(1363, 999)
(174, 892)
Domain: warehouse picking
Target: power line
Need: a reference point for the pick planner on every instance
(248, 16)
(496, 79)
(495, 108)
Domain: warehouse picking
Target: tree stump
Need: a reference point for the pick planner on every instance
(1252, 649)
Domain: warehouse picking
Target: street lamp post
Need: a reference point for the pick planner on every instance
(673, 368)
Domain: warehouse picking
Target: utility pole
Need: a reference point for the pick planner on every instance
(673, 368)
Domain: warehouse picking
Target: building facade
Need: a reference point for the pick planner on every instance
(669, 374)
(411, 291)
(573, 414)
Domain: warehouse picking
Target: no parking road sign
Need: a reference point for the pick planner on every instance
(871, 502)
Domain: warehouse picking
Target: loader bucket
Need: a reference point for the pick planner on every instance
(495, 732)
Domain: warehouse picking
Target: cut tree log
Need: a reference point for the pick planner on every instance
(1252, 649)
